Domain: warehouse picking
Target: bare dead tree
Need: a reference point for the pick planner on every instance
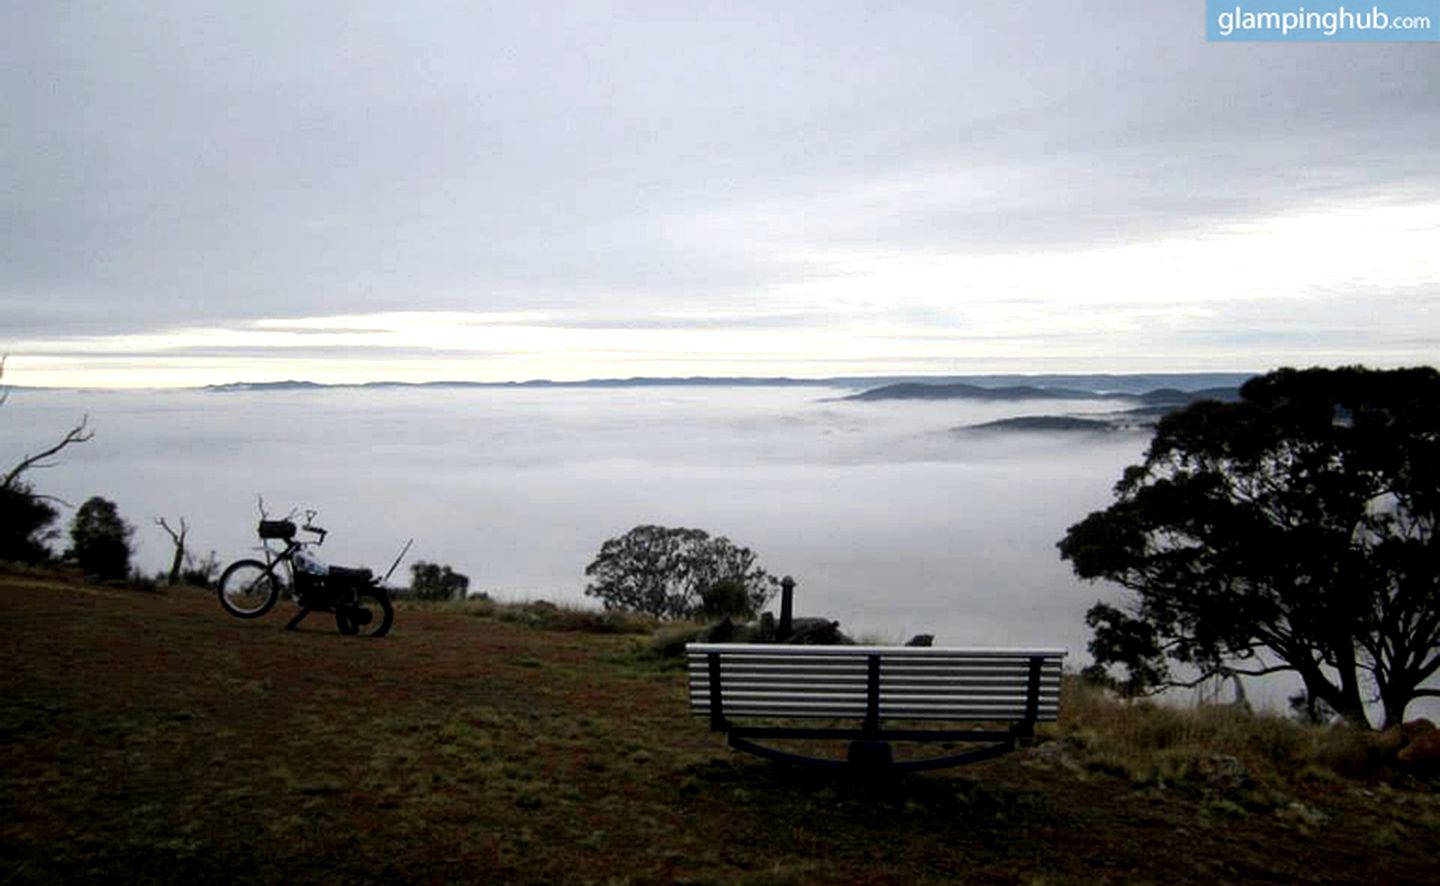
(78, 434)
(178, 538)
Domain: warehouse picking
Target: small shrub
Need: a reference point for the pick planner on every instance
(669, 641)
(200, 573)
(478, 605)
(1349, 753)
(100, 540)
(432, 581)
(25, 520)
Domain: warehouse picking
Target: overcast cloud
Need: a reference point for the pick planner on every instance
(350, 191)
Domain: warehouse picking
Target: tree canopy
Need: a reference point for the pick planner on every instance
(25, 524)
(666, 572)
(433, 581)
(1293, 530)
(100, 540)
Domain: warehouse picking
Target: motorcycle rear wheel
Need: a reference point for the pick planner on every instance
(367, 613)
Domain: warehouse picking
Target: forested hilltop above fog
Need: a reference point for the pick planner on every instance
(1146, 403)
(1166, 396)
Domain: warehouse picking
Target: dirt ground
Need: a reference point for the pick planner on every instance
(150, 737)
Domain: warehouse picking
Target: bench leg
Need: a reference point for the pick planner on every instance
(870, 754)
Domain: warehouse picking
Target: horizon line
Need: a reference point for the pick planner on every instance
(641, 380)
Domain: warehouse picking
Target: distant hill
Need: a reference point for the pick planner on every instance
(1139, 383)
(966, 391)
(1153, 403)
(1175, 396)
(1089, 384)
(963, 391)
(1064, 423)
(290, 385)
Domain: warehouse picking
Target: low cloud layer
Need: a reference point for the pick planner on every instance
(891, 521)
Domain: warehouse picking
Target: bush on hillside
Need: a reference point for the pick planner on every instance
(432, 581)
(25, 525)
(100, 540)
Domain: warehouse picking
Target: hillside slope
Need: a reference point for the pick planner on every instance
(152, 738)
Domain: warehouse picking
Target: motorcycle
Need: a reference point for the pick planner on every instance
(250, 588)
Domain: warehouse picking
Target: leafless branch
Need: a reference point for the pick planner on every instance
(1189, 684)
(78, 434)
(177, 537)
(1261, 672)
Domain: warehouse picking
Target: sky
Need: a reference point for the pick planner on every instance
(196, 193)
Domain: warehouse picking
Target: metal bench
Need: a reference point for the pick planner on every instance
(872, 685)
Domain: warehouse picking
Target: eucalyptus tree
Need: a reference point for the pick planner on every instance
(666, 572)
(1292, 530)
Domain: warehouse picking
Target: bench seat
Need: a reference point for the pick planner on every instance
(873, 685)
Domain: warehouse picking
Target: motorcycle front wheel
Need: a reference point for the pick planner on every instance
(248, 588)
(367, 613)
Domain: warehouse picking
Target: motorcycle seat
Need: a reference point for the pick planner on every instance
(344, 574)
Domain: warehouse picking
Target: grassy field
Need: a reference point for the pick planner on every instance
(150, 737)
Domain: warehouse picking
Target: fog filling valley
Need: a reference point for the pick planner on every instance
(890, 520)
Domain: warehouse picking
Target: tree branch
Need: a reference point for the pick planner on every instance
(177, 537)
(1262, 672)
(78, 434)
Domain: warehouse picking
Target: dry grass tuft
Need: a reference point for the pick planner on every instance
(1156, 743)
(541, 614)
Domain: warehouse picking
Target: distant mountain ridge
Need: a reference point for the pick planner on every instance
(1152, 405)
(967, 391)
(994, 387)
(636, 382)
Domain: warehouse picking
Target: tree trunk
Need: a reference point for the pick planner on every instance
(1395, 699)
(1352, 704)
(175, 565)
(178, 538)
(1344, 699)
